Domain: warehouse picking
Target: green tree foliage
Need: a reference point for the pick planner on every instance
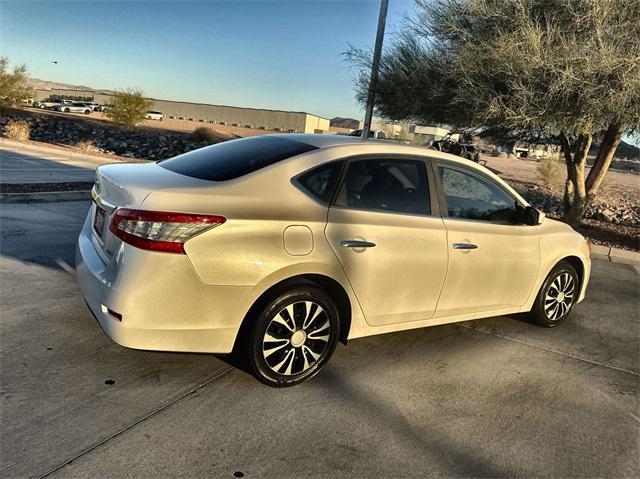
(128, 107)
(562, 69)
(14, 84)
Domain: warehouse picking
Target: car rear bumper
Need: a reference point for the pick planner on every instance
(162, 303)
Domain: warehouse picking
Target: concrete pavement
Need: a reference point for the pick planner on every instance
(492, 398)
(35, 165)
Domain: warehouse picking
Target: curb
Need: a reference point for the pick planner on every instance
(45, 197)
(615, 255)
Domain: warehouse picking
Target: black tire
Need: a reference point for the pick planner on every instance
(562, 282)
(66, 110)
(86, 112)
(291, 359)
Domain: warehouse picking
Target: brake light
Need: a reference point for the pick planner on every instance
(159, 230)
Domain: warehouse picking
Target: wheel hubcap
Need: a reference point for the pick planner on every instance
(559, 297)
(296, 338)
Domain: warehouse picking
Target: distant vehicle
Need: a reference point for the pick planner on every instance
(154, 115)
(464, 150)
(46, 103)
(380, 135)
(75, 107)
(94, 106)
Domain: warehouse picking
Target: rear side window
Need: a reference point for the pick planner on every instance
(235, 158)
(398, 186)
(320, 182)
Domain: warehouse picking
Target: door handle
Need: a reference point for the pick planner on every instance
(465, 246)
(356, 244)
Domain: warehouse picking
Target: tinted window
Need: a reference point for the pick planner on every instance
(388, 185)
(235, 158)
(321, 181)
(474, 198)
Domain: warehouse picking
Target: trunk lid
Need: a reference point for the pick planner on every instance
(126, 186)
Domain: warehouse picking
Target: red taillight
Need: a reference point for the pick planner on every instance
(160, 230)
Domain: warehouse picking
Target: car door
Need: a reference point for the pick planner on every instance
(493, 257)
(391, 247)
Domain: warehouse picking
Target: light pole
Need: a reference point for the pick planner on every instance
(375, 64)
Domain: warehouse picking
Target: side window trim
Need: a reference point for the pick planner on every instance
(434, 201)
(443, 198)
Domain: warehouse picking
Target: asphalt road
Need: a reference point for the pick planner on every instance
(27, 165)
(492, 398)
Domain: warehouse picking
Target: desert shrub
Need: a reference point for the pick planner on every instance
(204, 134)
(85, 144)
(128, 107)
(17, 130)
(14, 83)
(549, 169)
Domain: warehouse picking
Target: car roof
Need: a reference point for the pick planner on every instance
(386, 146)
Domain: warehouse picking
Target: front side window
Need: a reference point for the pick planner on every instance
(398, 186)
(471, 197)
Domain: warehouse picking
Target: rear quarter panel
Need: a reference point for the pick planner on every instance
(248, 250)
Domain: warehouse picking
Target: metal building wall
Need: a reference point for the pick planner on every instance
(285, 121)
(275, 120)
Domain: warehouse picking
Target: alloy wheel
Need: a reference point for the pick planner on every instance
(559, 297)
(296, 338)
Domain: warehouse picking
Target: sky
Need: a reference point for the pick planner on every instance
(283, 55)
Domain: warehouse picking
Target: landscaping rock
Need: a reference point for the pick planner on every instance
(106, 137)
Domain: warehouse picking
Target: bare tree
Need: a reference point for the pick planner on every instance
(567, 69)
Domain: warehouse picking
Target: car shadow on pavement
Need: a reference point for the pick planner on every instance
(432, 443)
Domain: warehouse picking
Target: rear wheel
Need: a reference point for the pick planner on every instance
(293, 336)
(557, 296)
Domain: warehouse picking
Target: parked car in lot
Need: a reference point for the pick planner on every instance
(380, 135)
(279, 246)
(154, 115)
(75, 107)
(94, 106)
(46, 103)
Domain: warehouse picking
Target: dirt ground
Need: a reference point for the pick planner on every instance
(183, 126)
(618, 186)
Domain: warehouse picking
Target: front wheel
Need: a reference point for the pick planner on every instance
(293, 336)
(557, 296)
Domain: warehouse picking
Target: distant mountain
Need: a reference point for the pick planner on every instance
(48, 85)
(627, 150)
(344, 123)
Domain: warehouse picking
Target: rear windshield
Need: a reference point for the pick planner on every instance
(235, 158)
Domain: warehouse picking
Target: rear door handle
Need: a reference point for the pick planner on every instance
(465, 246)
(356, 244)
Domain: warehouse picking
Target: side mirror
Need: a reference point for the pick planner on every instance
(532, 216)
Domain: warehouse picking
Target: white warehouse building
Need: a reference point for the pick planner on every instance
(273, 120)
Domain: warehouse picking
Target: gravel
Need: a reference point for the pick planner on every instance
(106, 138)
